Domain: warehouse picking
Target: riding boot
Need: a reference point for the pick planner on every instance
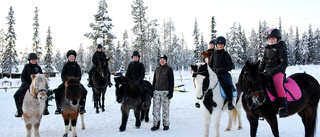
(156, 127)
(283, 107)
(18, 106)
(90, 79)
(46, 112)
(82, 104)
(58, 103)
(229, 98)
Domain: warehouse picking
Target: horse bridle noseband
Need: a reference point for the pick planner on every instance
(250, 96)
(209, 90)
(36, 95)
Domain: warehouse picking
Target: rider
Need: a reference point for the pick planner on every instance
(135, 72)
(221, 64)
(70, 69)
(274, 64)
(211, 46)
(99, 54)
(31, 68)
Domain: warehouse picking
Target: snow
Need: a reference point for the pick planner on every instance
(186, 120)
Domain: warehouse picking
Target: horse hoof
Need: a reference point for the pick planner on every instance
(137, 127)
(147, 120)
(239, 128)
(65, 135)
(103, 110)
(228, 129)
(97, 111)
(83, 128)
(122, 129)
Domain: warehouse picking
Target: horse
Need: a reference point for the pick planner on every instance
(206, 56)
(100, 81)
(258, 105)
(210, 99)
(130, 98)
(34, 103)
(70, 105)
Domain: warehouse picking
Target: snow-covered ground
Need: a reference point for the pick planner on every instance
(186, 120)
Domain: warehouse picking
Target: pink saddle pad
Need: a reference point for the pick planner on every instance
(292, 87)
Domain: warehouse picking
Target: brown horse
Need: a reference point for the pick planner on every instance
(257, 103)
(206, 56)
(34, 103)
(70, 105)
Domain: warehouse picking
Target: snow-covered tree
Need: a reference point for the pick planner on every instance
(244, 46)
(153, 44)
(126, 49)
(253, 48)
(48, 57)
(197, 54)
(280, 25)
(297, 49)
(262, 38)
(9, 60)
(2, 44)
(311, 47)
(24, 54)
(317, 44)
(290, 46)
(305, 49)
(36, 46)
(81, 59)
(234, 47)
(118, 56)
(58, 61)
(213, 30)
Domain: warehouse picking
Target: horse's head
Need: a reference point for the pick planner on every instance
(121, 87)
(73, 91)
(251, 84)
(39, 86)
(201, 79)
(103, 67)
(206, 56)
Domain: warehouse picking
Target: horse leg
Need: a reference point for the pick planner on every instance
(103, 101)
(66, 124)
(207, 118)
(217, 118)
(253, 124)
(82, 121)
(142, 114)
(146, 112)
(308, 116)
(96, 100)
(28, 127)
(137, 115)
(125, 114)
(74, 118)
(239, 117)
(273, 122)
(36, 129)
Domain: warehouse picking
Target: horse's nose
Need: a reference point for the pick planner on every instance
(74, 102)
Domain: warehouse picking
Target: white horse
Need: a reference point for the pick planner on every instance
(210, 99)
(34, 103)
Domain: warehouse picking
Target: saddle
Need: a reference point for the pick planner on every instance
(292, 89)
(223, 93)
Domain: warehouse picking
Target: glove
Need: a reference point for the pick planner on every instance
(136, 83)
(110, 84)
(170, 95)
(267, 73)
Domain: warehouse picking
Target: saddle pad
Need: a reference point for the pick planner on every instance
(292, 87)
(223, 94)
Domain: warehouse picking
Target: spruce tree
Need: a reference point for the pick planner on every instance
(197, 54)
(58, 61)
(36, 46)
(48, 57)
(213, 31)
(126, 49)
(297, 49)
(81, 58)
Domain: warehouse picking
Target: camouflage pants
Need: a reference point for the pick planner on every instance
(160, 99)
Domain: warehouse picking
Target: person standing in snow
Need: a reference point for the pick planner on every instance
(31, 68)
(70, 69)
(274, 64)
(163, 84)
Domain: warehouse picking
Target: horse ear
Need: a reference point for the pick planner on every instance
(194, 67)
(32, 76)
(247, 65)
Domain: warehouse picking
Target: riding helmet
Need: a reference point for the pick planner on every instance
(221, 40)
(212, 42)
(32, 56)
(274, 33)
(71, 52)
(135, 53)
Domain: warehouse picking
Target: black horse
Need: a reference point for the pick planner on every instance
(257, 104)
(128, 94)
(100, 81)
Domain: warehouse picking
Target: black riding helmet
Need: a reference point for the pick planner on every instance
(212, 42)
(274, 33)
(71, 52)
(135, 53)
(32, 56)
(221, 40)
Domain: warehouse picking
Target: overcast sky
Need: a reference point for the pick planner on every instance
(70, 19)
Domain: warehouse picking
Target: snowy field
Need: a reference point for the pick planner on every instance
(186, 120)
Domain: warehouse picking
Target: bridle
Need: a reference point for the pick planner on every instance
(41, 90)
(249, 96)
(100, 72)
(205, 89)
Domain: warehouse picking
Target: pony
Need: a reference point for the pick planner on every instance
(206, 56)
(210, 99)
(34, 103)
(258, 105)
(130, 98)
(70, 105)
(100, 81)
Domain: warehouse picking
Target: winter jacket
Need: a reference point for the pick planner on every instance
(96, 58)
(135, 72)
(163, 78)
(70, 69)
(220, 62)
(27, 71)
(275, 58)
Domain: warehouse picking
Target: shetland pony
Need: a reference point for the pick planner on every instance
(100, 81)
(253, 84)
(130, 98)
(34, 103)
(211, 101)
(70, 105)
(206, 56)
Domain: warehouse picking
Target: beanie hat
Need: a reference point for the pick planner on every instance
(71, 52)
(99, 46)
(164, 56)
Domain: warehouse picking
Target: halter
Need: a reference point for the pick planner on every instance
(250, 96)
(206, 74)
(36, 95)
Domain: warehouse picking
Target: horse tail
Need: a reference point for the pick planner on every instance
(234, 116)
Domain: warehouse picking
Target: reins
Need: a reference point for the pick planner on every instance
(36, 95)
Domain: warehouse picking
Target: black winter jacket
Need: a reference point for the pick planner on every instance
(70, 69)
(220, 62)
(96, 58)
(135, 72)
(275, 58)
(163, 78)
(27, 71)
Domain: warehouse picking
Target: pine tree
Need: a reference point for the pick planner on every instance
(139, 29)
(197, 52)
(243, 45)
(280, 25)
(297, 49)
(58, 61)
(311, 47)
(81, 58)
(118, 55)
(305, 49)
(213, 31)
(262, 38)
(9, 60)
(153, 42)
(126, 49)
(290, 46)
(2, 46)
(48, 57)
(24, 54)
(234, 47)
(253, 48)
(36, 46)
(317, 44)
